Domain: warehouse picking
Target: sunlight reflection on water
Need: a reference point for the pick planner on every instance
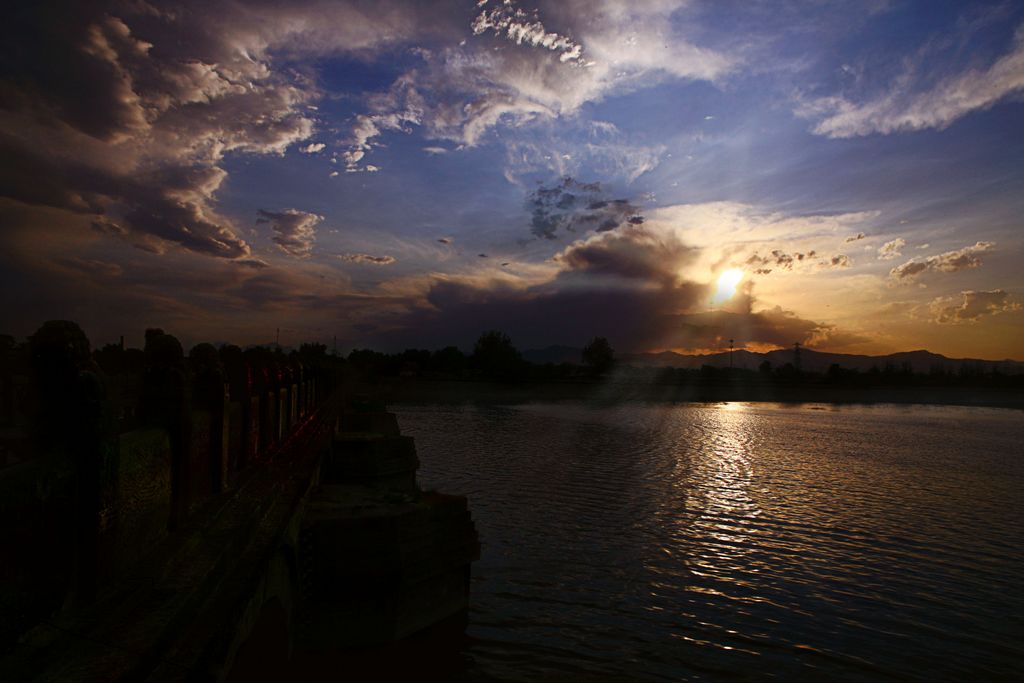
(696, 541)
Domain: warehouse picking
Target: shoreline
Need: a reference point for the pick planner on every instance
(419, 391)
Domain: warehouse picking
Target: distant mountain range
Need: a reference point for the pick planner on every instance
(810, 360)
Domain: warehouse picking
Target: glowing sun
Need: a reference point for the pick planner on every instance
(727, 283)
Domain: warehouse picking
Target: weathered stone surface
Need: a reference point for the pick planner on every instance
(200, 457)
(379, 567)
(137, 516)
(253, 445)
(234, 437)
(293, 406)
(368, 459)
(283, 412)
(268, 421)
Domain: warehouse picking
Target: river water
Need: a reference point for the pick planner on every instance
(737, 541)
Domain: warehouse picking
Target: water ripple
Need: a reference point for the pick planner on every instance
(737, 541)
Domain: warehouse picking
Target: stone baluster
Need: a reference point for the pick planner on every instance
(164, 405)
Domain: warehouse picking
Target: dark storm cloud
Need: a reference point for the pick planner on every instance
(459, 312)
(634, 319)
(172, 205)
(215, 295)
(32, 177)
(633, 252)
(92, 268)
(125, 110)
(774, 326)
(151, 206)
(112, 125)
(572, 206)
(628, 285)
(64, 60)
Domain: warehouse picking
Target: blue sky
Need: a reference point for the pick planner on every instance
(408, 174)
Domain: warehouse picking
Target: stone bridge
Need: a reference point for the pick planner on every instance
(288, 502)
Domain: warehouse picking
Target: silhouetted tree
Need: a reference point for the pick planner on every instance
(495, 356)
(598, 355)
(709, 373)
(788, 372)
(449, 360)
(410, 363)
(312, 352)
(367, 360)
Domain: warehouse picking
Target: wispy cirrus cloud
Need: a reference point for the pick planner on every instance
(595, 147)
(546, 75)
(905, 108)
(400, 108)
(725, 221)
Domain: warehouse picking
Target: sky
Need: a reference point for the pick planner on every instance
(410, 174)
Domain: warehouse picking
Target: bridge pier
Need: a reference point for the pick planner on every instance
(381, 559)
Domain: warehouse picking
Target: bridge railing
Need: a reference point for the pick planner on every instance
(99, 477)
